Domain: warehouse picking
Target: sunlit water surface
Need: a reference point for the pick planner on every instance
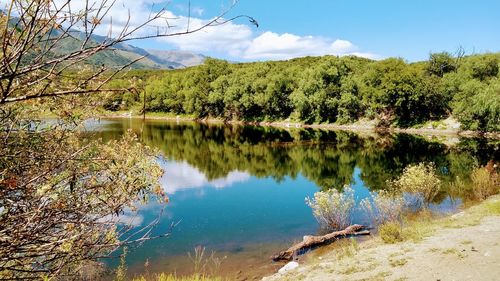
(239, 191)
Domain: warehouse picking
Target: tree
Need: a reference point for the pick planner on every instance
(477, 106)
(62, 194)
(483, 67)
(440, 64)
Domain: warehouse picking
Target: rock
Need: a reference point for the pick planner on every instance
(289, 266)
(306, 237)
(458, 215)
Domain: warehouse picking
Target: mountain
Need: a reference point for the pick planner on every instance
(186, 59)
(125, 53)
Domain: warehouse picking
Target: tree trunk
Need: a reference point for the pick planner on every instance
(313, 241)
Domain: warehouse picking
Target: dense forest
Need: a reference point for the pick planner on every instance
(328, 90)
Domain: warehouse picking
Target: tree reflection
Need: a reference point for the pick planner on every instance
(328, 158)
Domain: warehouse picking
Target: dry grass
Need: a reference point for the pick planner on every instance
(484, 183)
(346, 249)
(391, 232)
(170, 277)
(423, 225)
(398, 262)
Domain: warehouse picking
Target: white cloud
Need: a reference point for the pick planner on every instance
(271, 45)
(182, 176)
(233, 40)
(342, 46)
(229, 39)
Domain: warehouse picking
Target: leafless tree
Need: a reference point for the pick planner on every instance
(33, 32)
(62, 194)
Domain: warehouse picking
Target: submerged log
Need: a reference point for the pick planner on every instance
(314, 241)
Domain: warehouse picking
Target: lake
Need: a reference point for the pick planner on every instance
(239, 191)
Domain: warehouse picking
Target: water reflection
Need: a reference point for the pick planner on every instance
(239, 190)
(218, 153)
(180, 176)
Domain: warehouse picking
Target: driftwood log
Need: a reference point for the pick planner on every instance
(314, 241)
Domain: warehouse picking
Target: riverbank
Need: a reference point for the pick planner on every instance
(464, 246)
(447, 127)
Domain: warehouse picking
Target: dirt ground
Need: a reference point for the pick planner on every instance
(460, 251)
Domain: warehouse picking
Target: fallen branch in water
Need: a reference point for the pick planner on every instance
(313, 241)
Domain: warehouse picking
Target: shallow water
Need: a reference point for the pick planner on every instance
(239, 190)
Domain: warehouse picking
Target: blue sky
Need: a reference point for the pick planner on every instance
(369, 28)
(409, 29)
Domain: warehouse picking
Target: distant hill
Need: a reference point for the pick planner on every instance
(125, 53)
(186, 59)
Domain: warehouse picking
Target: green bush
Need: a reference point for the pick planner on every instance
(477, 105)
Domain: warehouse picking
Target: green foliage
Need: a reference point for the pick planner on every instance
(332, 90)
(441, 63)
(483, 67)
(333, 209)
(477, 106)
(77, 202)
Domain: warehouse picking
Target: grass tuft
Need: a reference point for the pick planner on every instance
(171, 277)
(391, 232)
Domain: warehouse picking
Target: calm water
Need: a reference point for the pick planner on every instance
(240, 190)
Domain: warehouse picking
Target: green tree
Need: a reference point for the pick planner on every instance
(441, 63)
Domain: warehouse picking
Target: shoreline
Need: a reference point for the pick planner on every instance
(355, 128)
(449, 247)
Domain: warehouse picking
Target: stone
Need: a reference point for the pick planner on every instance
(289, 266)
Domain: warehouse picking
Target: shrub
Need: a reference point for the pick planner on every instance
(484, 183)
(391, 232)
(383, 207)
(419, 180)
(333, 209)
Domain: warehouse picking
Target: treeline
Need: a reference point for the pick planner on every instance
(333, 90)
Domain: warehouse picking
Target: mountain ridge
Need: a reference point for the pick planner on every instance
(123, 53)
